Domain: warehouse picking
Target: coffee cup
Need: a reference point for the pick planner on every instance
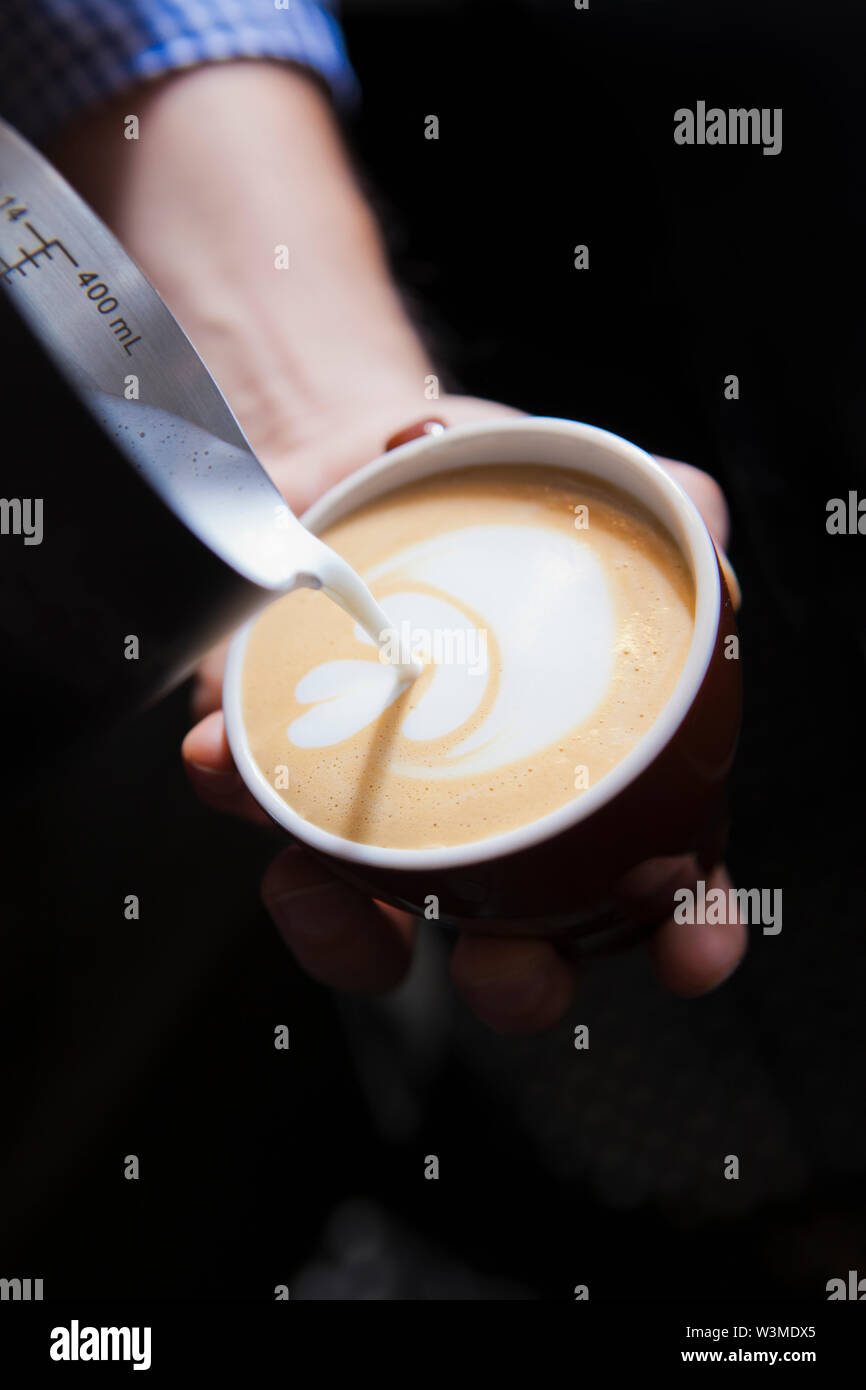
(572, 872)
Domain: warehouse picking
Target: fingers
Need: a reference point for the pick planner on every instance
(207, 688)
(689, 959)
(692, 959)
(706, 495)
(521, 986)
(211, 770)
(337, 936)
(710, 502)
(343, 940)
(515, 985)
(518, 986)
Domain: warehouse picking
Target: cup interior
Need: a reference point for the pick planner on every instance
(565, 444)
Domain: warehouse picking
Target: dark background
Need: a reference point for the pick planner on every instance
(558, 1167)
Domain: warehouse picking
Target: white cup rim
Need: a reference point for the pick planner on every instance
(351, 492)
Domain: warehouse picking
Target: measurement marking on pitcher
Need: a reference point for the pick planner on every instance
(96, 289)
(29, 257)
(97, 292)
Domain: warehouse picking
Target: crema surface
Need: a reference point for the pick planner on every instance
(553, 616)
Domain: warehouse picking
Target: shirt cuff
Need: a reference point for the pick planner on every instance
(60, 57)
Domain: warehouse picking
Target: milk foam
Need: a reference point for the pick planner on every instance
(546, 603)
(559, 648)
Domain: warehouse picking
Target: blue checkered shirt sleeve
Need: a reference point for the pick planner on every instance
(59, 57)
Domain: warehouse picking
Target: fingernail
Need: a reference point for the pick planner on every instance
(211, 772)
(415, 431)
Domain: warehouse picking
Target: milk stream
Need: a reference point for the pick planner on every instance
(336, 578)
(227, 499)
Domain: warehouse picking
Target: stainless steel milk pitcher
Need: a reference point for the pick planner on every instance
(136, 525)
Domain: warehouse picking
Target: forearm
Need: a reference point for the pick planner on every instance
(235, 160)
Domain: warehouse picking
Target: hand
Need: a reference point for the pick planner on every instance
(321, 365)
(516, 985)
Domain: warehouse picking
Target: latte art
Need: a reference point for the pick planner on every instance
(546, 648)
(545, 601)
